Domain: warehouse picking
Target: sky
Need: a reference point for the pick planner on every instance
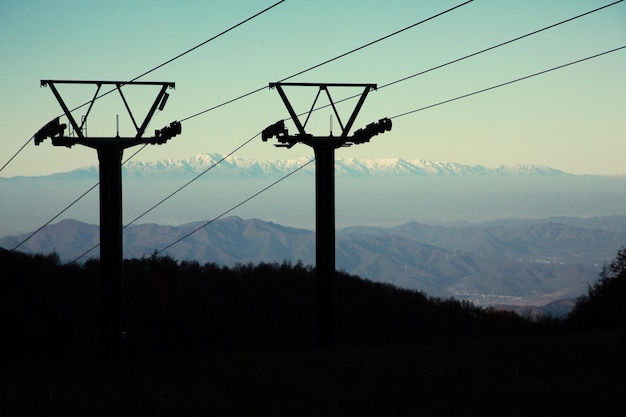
(571, 119)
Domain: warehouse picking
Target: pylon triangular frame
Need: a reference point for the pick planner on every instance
(78, 129)
(345, 129)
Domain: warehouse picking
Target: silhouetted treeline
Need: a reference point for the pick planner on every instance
(50, 309)
(604, 305)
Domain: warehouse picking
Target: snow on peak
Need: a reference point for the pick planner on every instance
(215, 165)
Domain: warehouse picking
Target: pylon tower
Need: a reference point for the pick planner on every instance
(324, 151)
(110, 151)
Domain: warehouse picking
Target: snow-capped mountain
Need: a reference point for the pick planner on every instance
(343, 166)
(421, 167)
(215, 165)
(368, 192)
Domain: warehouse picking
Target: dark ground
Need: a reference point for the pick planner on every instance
(542, 375)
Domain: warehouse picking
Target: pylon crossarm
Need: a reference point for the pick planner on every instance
(332, 103)
(355, 112)
(146, 121)
(97, 143)
(292, 113)
(332, 142)
(130, 113)
(93, 100)
(312, 107)
(66, 110)
(322, 86)
(141, 129)
(118, 85)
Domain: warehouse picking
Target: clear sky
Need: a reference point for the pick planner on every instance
(572, 119)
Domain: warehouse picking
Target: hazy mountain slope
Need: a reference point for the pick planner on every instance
(396, 204)
(227, 241)
(375, 254)
(372, 192)
(536, 241)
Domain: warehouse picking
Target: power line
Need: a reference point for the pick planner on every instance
(475, 53)
(155, 68)
(410, 112)
(501, 44)
(170, 195)
(189, 50)
(217, 217)
(16, 153)
(192, 180)
(354, 50)
(52, 219)
(394, 117)
(108, 92)
(68, 207)
(335, 58)
(264, 87)
(394, 82)
(209, 40)
(509, 82)
(284, 79)
(255, 91)
(329, 60)
(236, 206)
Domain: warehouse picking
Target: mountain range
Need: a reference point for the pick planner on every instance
(371, 192)
(521, 234)
(519, 262)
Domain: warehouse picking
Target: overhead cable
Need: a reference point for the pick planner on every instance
(154, 69)
(410, 112)
(508, 82)
(217, 217)
(16, 153)
(262, 88)
(501, 44)
(188, 51)
(192, 180)
(108, 92)
(393, 117)
(52, 219)
(236, 206)
(328, 60)
(473, 54)
(397, 81)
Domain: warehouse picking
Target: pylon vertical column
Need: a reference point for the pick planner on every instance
(325, 242)
(111, 248)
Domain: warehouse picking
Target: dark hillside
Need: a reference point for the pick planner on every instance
(181, 308)
(212, 340)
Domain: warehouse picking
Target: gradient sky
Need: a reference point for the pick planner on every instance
(572, 119)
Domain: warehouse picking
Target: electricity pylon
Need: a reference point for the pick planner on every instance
(110, 151)
(324, 149)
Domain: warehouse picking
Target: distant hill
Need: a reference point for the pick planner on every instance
(518, 265)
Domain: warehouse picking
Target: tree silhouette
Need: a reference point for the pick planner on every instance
(603, 306)
(179, 308)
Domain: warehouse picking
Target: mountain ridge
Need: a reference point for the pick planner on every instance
(508, 266)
